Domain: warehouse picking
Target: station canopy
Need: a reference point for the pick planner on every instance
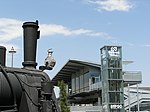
(71, 67)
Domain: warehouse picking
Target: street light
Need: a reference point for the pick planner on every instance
(12, 51)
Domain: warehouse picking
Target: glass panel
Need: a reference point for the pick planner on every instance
(77, 84)
(73, 83)
(115, 97)
(114, 74)
(86, 81)
(81, 83)
(115, 85)
(114, 63)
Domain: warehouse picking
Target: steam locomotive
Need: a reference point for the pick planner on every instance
(27, 89)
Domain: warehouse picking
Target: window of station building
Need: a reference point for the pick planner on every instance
(86, 81)
(95, 80)
(81, 83)
(73, 83)
(77, 84)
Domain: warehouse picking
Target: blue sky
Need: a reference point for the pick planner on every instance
(77, 29)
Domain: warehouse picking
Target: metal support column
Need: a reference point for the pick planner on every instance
(138, 106)
(129, 97)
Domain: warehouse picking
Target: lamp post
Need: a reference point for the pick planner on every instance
(12, 52)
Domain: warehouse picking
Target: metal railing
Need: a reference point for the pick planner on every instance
(132, 76)
(95, 86)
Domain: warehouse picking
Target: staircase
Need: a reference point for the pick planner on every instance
(143, 96)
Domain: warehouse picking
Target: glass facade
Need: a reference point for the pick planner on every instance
(81, 81)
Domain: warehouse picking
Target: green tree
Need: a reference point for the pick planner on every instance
(63, 97)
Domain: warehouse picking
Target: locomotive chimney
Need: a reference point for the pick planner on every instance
(31, 34)
(2, 55)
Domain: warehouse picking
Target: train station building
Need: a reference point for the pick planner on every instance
(104, 87)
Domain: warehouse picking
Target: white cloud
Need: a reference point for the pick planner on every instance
(52, 29)
(111, 5)
(147, 45)
(11, 29)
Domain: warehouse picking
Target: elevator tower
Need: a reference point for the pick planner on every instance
(112, 80)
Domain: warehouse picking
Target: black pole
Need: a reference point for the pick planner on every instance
(31, 34)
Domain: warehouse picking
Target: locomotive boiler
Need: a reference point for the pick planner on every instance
(27, 89)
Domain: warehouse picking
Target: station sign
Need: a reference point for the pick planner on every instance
(116, 106)
(114, 52)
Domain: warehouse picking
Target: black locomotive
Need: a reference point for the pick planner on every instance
(26, 89)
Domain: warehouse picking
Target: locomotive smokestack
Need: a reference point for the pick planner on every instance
(31, 34)
(2, 55)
